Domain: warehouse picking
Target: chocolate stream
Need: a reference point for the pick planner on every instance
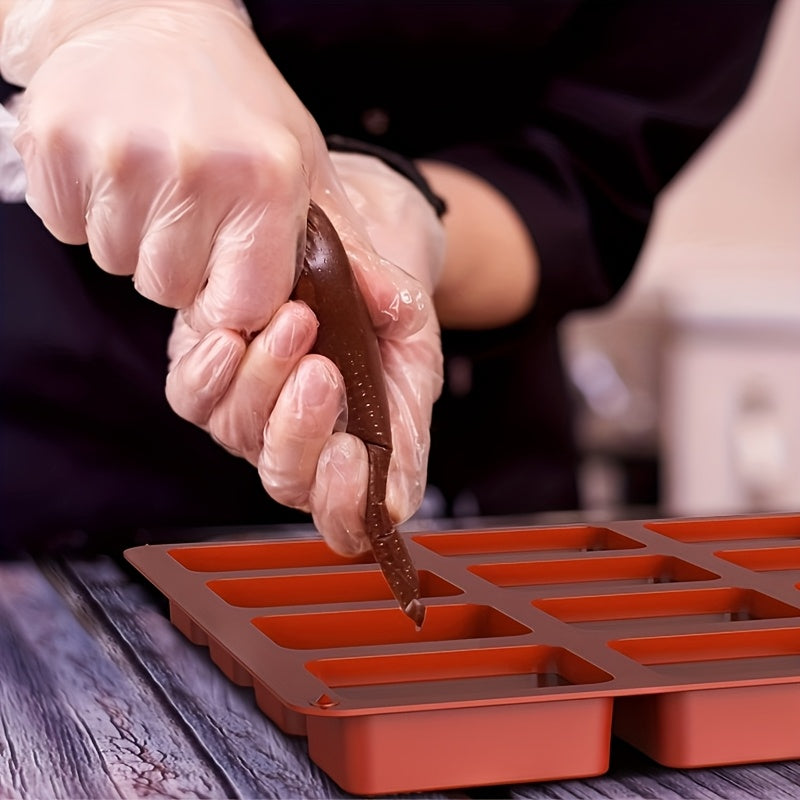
(346, 336)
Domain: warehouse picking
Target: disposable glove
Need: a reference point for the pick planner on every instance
(283, 410)
(197, 181)
(161, 133)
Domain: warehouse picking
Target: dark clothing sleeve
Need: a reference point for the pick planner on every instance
(580, 112)
(630, 91)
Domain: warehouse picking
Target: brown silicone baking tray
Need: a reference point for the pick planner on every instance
(680, 636)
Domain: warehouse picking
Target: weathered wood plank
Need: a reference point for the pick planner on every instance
(767, 781)
(256, 757)
(633, 776)
(73, 723)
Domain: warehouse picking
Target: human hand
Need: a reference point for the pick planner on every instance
(198, 184)
(293, 430)
(161, 133)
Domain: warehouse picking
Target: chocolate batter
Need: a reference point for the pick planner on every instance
(347, 338)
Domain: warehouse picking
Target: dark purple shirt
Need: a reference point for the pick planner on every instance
(580, 112)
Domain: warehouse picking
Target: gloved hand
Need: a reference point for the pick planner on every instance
(197, 182)
(161, 133)
(281, 409)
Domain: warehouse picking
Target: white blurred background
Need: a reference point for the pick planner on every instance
(689, 385)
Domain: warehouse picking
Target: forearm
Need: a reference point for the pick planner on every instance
(31, 29)
(491, 270)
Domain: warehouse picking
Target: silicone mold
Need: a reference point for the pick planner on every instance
(680, 636)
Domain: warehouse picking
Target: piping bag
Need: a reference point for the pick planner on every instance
(345, 335)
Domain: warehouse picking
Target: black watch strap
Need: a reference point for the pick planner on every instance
(403, 165)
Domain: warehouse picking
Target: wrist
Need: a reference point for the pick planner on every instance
(399, 163)
(25, 29)
(30, 30)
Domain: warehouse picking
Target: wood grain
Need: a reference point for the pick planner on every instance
(101, 697)
(74, 723)
(632, 776)
(256, 758)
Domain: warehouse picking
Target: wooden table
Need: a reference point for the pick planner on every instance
(100, 697)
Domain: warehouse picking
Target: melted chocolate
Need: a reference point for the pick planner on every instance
(346, 336)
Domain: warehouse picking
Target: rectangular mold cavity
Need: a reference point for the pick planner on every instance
(669, 608)
(455, 674)
(233, 556)
(732, 529)
(768, 559)
(720, 656)
(442, 748)
(580, 538)
(633, 570)
(317, 588)
(383, 626)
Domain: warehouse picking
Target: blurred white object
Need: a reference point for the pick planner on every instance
(731, 396)
(725, 260)
(708, 329)
(760, 452)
